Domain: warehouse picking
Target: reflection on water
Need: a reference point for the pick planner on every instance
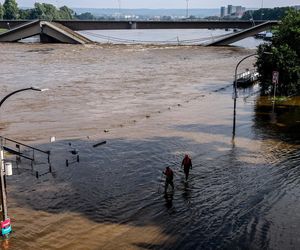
(227, 203)
(280, 119)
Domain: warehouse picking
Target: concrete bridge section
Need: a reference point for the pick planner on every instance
(242, 34)
(48, 32)
(62, 31)
(182, 24)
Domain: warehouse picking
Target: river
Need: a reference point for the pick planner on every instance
(166, 36)
(152, 104)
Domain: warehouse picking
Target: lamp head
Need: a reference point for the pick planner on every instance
(38, 89)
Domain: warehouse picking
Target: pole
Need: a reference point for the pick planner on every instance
(187, 8)
(275, 85)
(235, 94)
(5, 227)
(2, 183)
(262, 6)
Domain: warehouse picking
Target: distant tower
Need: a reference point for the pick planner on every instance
(239, 11)
(223, 10)
(229, 9)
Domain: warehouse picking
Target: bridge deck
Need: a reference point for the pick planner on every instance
(242, 34)
(63, 31)
(181, 24)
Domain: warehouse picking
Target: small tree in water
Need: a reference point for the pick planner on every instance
(285, 57)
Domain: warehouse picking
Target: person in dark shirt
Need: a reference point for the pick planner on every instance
(169, 178)
(187, 165)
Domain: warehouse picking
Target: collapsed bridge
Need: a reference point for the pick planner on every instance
(64, 31)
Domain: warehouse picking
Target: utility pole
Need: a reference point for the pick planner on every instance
(261, 12)
(119, 5)
(5, 222)
(187, 8)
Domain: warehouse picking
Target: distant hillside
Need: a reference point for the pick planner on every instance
(150, 12)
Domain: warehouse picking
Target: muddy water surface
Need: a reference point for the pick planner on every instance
(152, 105)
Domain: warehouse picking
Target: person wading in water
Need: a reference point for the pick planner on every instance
(169, 178)
(187, 165)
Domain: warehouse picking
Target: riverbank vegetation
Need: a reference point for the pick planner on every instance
(1, 11)
(266, 14)
(10, 11)
(282, 55)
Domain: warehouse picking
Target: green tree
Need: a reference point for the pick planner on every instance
(265, 14)
(28, 14)
(66, 13)
(11, 10)
(1, 11)
(85, 16)
(285, 57)
(46, 11)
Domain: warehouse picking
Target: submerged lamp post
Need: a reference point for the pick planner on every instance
(235, 89)
(235, 93)
(5, 222)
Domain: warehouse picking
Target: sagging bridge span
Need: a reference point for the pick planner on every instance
(58, 30)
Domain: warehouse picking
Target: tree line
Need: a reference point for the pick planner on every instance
(10, 11)
(283, 56)
(266, 14)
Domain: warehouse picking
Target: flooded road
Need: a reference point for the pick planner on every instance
(152, 105)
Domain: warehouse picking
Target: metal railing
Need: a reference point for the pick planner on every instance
(16, 149)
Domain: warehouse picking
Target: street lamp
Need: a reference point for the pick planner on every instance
(235, 93)
(5, 223)
(20, 90)
(235, 89)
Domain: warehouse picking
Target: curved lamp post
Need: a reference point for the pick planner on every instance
(235, 89)
(20, 90)
(235, 92)
(5, 224)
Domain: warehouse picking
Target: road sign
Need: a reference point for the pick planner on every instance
(275, 77)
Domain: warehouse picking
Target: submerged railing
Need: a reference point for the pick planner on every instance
(21, 150)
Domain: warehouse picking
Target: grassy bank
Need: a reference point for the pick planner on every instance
(2, 30)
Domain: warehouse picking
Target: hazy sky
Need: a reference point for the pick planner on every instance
(155, 4)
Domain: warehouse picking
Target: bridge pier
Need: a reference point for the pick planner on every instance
(133, 25)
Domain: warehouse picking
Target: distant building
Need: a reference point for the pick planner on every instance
(232, 11)
(229, 10)
(238, 9)
(223, 11)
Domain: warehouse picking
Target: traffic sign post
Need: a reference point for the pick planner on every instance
(275, 78)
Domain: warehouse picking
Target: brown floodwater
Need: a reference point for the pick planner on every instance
(152, 104)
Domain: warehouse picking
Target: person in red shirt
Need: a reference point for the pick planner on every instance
(187, 165)
(169, 178)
